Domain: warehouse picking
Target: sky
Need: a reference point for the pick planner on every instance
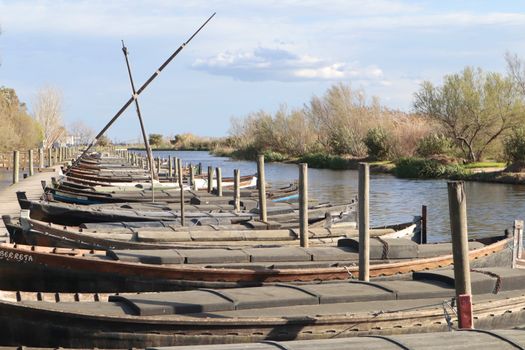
(253, 55)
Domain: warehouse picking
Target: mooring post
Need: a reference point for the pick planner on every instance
(49, 157)
(175, 167)
(16, 165)
(457, 202)
(30, 162)
(159, 161)
(423, 224)
(517, 242)
(192, 177)
(199, 169)
(219, 181)
(179, 172)
(170, 166)
(261, 185)
(303, 204)
(41, 158)
(210, 179)
(237, 190)
(364, 237)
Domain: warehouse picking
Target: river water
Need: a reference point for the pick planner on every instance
(491, 207)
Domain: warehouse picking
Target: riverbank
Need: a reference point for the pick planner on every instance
(406, 168)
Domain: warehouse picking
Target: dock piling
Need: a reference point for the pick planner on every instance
(192, 177)
(364, 237)
(261, 186)
(41, 158)
(30, 162)
(423, 225)
(457, 202)
(16, 166)
(219, 181)
(210, 179)
(237, 190)
(50, 157)
(179, 173)
(303, 204)
(517, 246)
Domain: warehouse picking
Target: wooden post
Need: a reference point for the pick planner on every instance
(423, 225)
(59, 154)
(158, 165)
(199, 170)
(364, 237)
(50, 157)
(237, 190)
(303, 204)
(219, 181)
(41, 158)
(457, 202)
(30, 162)
(517, 242)
(16, 165)
(210, 179)
(179, 172)
(262, 188)
(170, 166)
(192, 177)
(175, 167)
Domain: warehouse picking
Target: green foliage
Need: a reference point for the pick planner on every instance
(514, 147)
(377, 143)
(419, 168)
(479, 165)
(155, 140)
(434, 144)
(324, 161)
(18, 129)
(271, 156)
(475, 108)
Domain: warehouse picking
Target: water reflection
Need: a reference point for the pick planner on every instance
(491, 207)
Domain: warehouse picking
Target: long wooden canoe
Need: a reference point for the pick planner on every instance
(271, 313)
(76, 270)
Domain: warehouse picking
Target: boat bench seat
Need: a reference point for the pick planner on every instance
(381, 248)
(483, 280)
(154, 256)
(435, 249)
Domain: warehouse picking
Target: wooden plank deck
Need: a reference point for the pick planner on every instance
(33, 188)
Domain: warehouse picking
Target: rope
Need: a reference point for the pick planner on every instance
(384, 254)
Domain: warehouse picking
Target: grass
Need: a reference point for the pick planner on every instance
(484, 165)
(419, 168)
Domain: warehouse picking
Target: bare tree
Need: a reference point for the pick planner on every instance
(82, 133)
(47, 110)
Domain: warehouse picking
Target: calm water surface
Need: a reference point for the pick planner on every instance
(491, 207)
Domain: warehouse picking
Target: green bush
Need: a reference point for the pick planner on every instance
(427, 169)
(324, 161)
(377, 144)
(434, 144)
(271, 156)
(514, 147)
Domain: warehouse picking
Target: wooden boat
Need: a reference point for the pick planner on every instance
(40, 233)
(61, 269)
(272, 313)
(71, 214)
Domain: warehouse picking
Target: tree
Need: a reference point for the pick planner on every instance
(82, 133)
(475, 108)
(47, 110)
(155, 139)
(103, 141)
(18, 129)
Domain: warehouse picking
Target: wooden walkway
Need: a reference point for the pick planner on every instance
(33, 188)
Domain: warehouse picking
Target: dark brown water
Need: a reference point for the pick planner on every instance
(491, 207)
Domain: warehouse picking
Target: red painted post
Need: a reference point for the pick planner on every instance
(465, 311)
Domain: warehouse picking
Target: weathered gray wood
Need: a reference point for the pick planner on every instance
(16, 166)
(219, 181)
(237, 190)
(170, 166)
(458, 226)
(30, 163)
(303, 204)
(261, 185)
(181, 185)
(517, 242)
(210, 179)
(364, 236)
(49, 157)
(192, 177)
(41, 158)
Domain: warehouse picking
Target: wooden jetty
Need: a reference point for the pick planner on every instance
(32, 185)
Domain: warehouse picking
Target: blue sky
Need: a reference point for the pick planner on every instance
(253, 55)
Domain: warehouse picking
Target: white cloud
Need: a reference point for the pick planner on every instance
(282, 64)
